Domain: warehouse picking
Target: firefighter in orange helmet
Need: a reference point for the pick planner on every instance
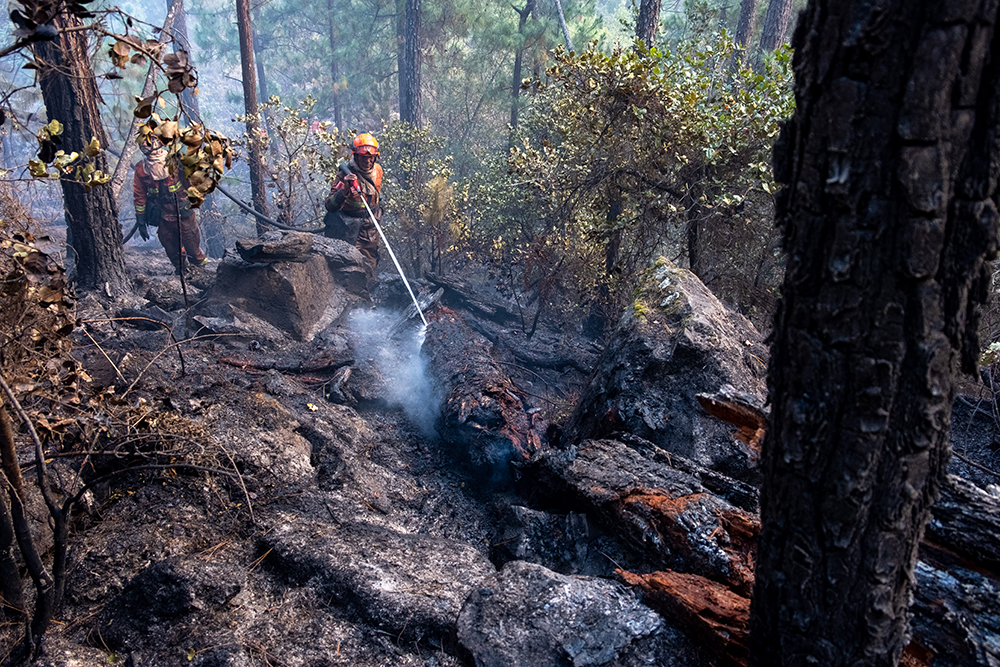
(360, 179)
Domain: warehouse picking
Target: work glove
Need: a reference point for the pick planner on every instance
(352, 183)
(141, 224)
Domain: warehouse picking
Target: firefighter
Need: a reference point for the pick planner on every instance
(160, 202)
(347, 218)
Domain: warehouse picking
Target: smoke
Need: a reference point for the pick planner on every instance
(397, 358)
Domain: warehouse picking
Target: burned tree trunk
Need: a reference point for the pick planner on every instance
(483, 413)
(71, 97)
(888, 217)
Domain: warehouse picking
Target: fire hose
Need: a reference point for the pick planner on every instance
(356, 188)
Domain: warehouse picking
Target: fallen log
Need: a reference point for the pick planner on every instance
(483, 414)
(533, 358)
(461, 295)
(966, 519)
(659, 510)
(720, 619)
(708, 545)
(320, 363)
(711, 612)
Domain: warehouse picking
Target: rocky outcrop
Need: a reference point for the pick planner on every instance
(298, 282)
(532, 617)
(674, 342)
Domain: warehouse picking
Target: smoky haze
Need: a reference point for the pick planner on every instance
(398, 360)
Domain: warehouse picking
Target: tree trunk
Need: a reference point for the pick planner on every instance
(71, 97)
(409, 65)
(256, 161)
(888, 219)
(565, 28)
(515, 89)
(648, 21)
(744, 30)
(779, 13)
(338, 110)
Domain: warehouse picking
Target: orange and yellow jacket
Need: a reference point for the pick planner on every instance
(164, 196)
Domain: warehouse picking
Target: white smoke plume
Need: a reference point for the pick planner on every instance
(398, 360)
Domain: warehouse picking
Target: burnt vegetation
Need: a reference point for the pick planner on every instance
(568, 420)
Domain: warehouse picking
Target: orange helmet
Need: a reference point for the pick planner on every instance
(366, 144)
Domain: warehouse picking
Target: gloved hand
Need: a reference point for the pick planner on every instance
(352, 183)
(143, 232)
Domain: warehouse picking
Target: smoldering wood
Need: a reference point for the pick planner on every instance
(483, 413)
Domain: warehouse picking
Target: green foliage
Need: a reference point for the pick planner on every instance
(620, 153)
(301, 155)
(419, 197)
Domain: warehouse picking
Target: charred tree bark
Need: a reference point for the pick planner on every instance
(338, 109)
(515, 89)
(483, 416)
(71, 97)
(648, 21)
(256, 160)
(409, 64)
(888, 216)
(779, 13)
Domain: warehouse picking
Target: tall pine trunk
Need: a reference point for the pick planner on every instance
(744, 30)
(409, 64)
(890, 165)
(70, 93)
(515, 89)
(648, 21)
(338, 108)
(256, 160)
(779, 13)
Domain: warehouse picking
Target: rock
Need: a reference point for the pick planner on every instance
(300, 296)
(675, 341)
(532, 617)
(411, 586)
(276, 246)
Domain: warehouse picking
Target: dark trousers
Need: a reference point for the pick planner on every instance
(360, 232)
(176, 237)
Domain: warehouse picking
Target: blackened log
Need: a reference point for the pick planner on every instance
(483, 414)
(966, 520)
(657, 509)
(459, 294)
